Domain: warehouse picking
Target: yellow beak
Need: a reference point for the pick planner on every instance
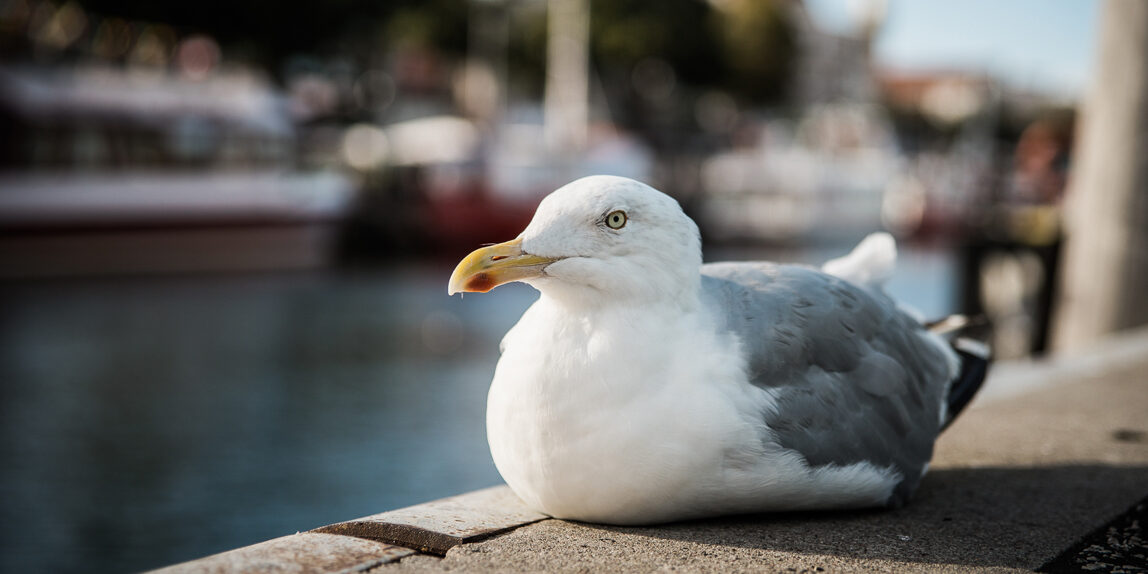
(487, 268)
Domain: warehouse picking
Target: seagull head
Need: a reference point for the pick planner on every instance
(600, 238)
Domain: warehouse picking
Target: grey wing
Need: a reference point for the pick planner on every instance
(854, 379)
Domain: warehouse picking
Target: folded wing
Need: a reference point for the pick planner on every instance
(855, 378)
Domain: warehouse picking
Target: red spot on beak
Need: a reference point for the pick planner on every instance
(481, 283)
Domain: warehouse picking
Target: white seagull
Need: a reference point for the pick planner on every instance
(643, 386)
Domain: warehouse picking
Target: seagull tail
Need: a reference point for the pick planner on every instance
(975, 357)
(870, 264)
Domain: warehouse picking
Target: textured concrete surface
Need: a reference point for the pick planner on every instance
(1014, 482)
(304, 553)
(440, 525)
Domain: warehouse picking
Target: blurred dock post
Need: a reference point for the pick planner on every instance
(1105, 275)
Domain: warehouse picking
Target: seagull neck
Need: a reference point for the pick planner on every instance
(589, 301)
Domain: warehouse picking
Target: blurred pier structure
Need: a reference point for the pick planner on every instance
(1106, 271)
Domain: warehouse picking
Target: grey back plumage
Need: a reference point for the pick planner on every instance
(853, 379)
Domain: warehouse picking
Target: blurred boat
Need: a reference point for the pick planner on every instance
(163, 199)
(448, 185)
(119, 171)
(821, 178)
(96, 224)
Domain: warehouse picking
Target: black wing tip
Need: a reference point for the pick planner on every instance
(975, 359)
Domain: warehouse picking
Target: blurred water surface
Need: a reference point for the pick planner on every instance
(158, 420)
(152, 421)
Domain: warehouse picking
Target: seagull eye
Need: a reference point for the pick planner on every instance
(616, 219)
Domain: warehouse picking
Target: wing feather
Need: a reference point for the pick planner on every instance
(854, 378)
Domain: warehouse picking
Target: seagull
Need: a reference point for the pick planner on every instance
(644, 387)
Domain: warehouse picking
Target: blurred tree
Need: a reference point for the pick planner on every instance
(745, 46)
(651, 59)
(268, 32)
(1105, 275)
(679, 32)
(758, 45)
(623, 33)
(439, 23)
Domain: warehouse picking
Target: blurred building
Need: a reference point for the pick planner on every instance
(835, 65)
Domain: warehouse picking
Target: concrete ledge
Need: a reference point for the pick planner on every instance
(438, 526)
(300, 553)
(367, 543)
(1012, 378)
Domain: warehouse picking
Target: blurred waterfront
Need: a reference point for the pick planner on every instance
(224, 242)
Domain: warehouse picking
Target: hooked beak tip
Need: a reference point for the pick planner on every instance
(488, 267)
